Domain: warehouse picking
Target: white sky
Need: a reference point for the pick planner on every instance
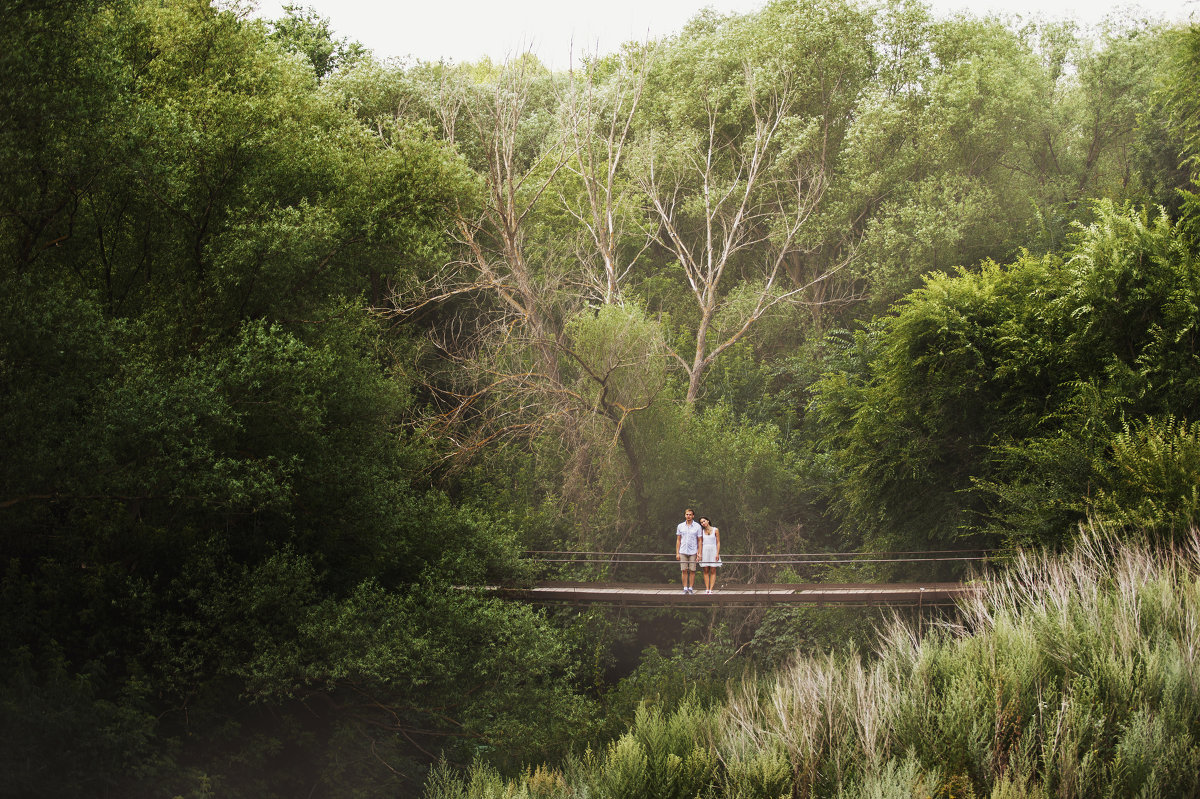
(464, 30)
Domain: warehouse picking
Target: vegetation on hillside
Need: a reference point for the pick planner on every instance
(1069, 676)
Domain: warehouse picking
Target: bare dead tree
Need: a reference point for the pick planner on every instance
(598, 114)
(489, 117)
(610, 371)
(515, 369)
(738, 202)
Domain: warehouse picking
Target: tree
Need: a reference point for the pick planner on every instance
(500, 117)
(734, 170)
(302, 31)
(985, 404)
(61, 102)
(982, 138)
(1177, 124)
(215, 497)
(600, 108)
(531, 364)
(1175, 89)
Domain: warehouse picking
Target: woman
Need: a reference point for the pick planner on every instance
(710, 553)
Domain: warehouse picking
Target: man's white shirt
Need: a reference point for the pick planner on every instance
(689, 537)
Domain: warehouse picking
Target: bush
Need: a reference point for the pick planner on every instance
(1072, 676)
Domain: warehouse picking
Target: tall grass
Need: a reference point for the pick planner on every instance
(1068, 676)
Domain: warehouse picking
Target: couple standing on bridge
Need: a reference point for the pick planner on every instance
(697, 543)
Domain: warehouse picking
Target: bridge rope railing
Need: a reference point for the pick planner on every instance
(758, 564)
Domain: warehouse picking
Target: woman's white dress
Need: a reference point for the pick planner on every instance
(708, 551)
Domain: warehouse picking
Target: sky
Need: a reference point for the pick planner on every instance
(559, 30)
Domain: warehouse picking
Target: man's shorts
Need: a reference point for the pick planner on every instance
(687, 563)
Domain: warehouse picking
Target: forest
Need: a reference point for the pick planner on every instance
(301, 347)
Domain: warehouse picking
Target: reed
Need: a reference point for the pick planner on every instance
(1069, 676)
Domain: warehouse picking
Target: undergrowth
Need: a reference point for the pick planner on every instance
(1068, 676)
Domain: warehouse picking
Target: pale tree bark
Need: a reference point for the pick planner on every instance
(599, 116)
(739, 204)
(515, 372)
(489, 119)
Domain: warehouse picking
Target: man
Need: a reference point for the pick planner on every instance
(687, 548)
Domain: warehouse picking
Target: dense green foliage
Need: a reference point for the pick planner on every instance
(908, 145)
(297, 348)
(997, 394)
(225, 565)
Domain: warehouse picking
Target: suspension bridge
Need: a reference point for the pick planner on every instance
(756, 580)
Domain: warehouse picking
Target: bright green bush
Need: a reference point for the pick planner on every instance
(1153, 480)
(626, 769)
(983, 406)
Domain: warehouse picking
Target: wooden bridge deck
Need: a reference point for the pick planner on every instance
(657, 595)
